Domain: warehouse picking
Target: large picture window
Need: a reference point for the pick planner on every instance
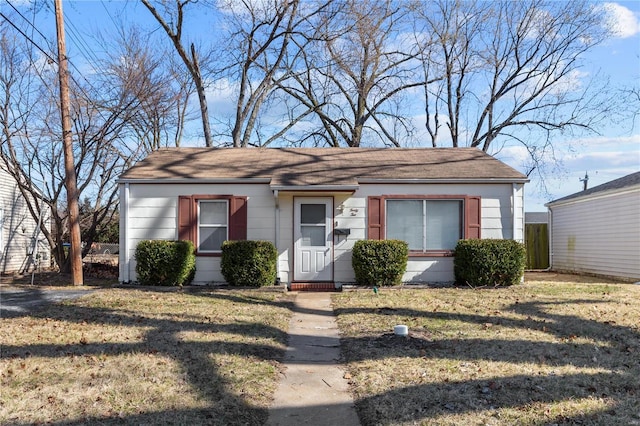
(213, 227)
(425, 224)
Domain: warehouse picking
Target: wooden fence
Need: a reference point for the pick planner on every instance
(537, 243)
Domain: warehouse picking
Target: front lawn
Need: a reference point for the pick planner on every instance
(144, 356)
(555, 350)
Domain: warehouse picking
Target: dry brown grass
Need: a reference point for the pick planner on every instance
(142, 356)
(556, 350)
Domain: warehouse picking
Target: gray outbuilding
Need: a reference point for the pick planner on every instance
(597, 231)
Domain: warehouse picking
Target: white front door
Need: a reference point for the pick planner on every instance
(313, 238)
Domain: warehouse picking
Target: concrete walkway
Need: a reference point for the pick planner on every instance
(313, 390)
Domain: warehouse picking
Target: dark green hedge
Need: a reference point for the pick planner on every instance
(249, 263)
(165, 263)
(494, 263)
(379, 262)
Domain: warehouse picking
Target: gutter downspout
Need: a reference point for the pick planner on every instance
(124, 232)
(550, 234)
(514, 193)
(277, 236)
(514, 210)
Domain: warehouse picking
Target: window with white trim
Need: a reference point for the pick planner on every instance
(425, 224)
(213, 226)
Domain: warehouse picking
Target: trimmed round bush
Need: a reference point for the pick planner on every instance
(249, 263)
(379, 262)
(489, 263)
(165, 263)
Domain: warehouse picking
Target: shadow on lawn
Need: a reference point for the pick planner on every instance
(613, 358)
(161, 337)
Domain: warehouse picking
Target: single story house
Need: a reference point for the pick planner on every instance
(314, 203)
(597, 231)
(22, 246)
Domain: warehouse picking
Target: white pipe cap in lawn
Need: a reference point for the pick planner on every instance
(401, 330)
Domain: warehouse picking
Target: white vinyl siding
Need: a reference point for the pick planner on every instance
(598, 234)
(17, 230)
(351, 212)
(1, 231)
(153, 215)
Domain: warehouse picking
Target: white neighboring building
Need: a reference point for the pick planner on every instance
(314, 203)
(597, 231)
(18, 230)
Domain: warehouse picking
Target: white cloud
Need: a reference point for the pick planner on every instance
(607, 142)
(514, 155)
(623, 21)
(603, 160)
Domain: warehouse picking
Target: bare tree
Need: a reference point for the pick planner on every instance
(360, 67)
(511, 72)
(163, 90)
(265, 39)
(173, 26)
(18, 108)
(31, 149)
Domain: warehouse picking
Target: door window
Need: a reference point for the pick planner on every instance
(312, 225)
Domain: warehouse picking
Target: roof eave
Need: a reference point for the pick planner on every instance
(570, 199)
(187, 180)
(316, 188)
(447, 180)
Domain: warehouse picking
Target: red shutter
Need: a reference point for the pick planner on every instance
(238, 218)
(375, 216)
(185, 219)
(472, 217)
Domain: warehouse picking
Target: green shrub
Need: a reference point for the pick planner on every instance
(249, 263)
(379, 262)
(166, 263)
(494, 263)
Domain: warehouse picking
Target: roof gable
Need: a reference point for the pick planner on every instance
(285, 167)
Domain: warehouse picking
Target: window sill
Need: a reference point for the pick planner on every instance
(434, 253)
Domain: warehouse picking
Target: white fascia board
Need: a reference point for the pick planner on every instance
(315, 188)
(455, 180)
(193, 181)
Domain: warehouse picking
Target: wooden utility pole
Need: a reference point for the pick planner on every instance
(75, 252)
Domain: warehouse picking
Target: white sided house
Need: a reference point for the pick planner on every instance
(314, 203)
(22, 246)
(597, 231)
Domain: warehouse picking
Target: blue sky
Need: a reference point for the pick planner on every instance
(610, 155)
(616, 152)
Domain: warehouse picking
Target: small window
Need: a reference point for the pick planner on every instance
(313, 225)
(427, 224)
(213, 227)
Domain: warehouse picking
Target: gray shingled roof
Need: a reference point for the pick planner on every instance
(321, 166)
(623, 182)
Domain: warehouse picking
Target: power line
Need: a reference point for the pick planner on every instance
(115, 24)
(81, 44)
(49, 57)
(23, 17)
(29, 39)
